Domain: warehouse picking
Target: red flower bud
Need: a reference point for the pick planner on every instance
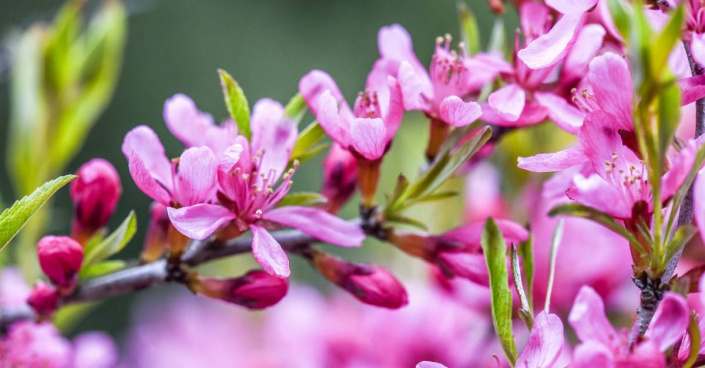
(60, 258)
(43, 298)
(368, 283)
(339, 177)
(157, 239)
(254, 290)
(95, 194)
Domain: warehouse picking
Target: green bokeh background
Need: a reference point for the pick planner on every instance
(176, 46)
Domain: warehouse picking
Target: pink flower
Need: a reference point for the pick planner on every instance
(60, 258)
(95, 194)
(94, 350)
(545, 343)
(43, 299)
(339, 177)
(369, 128)
(35, 346)
(254, 290)
(602, 345)
(452, 76)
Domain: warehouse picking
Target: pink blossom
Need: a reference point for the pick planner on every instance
(545, 343)
(35, 346)
(60, 257)
(43, 299)
(603, 345)
(95, 194)
(254, 290)
(94, 350)
(339, 177)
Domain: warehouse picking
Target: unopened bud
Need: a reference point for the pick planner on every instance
(60, 258)
(157, 234)
(254, 290)
(368, 283)
(95, 194)
(339, 177)
(43, 298)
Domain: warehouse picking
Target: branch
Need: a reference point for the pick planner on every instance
(155, 273)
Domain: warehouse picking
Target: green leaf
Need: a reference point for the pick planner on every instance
(404, 220)
(669, 114)
(309, 199)
(495, 249)
(695, 339)
(236, 102)
(555, 243)
(469, 30)
(621, 14)
(308, 138)
(661, 49)
(578, 210)
(438, 196)
(498, 37)
(114, 243)
(102, 269)
(312, 152)
(527, 256)
(526, 316)
(296, 108)
(14, 218)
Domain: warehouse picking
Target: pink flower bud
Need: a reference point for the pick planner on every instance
(157, 239)
(368, 283)
(95, 194)
(60, 258)
(43, 298)
(254, 290)
(339, 177)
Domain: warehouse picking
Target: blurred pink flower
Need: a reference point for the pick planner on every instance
(95, 194)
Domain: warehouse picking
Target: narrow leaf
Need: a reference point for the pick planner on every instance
(555, 243)
(527, 256)
(310, 199)
(236, 102)
(399, 219)
(695, 340)
(661, 49)
(102, 269)
(296, 108)
(519, 287)
(495, 249)
(13, 219)
(112, 244)
(308, 137)
(469, 30)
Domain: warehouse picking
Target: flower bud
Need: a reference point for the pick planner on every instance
(43, 298)
(254, 290)
(339, 177)
(95, 194)
(157, 239)
(60, 258)
(368, 283)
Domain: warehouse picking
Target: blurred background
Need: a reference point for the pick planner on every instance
(176, 46)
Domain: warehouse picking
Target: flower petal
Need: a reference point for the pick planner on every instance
(551, 162)
(566, 115)
(274, 134)
(589, 320)
(592, 354)
(430, 365)
(692, 88)
(587, 45)
(312, 86)
(319, 224)
(699, 204)
(196, 176)
(144, 142)
(146, 182)
(330, 120)
(412, 87)
(471, 234)
(458, 113)
(597, 193)
(368, 137)
(549, 48)
(697, 47)
(269, 253)
(185, 121)
(545, 343)
(571, 6)
(199, 221)
(670, 321)
(682, 164)
(508, 102)
(611, 82)
(471, 266)
(393, 110)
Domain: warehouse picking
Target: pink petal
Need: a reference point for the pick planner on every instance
(274, 134)
(545, 343)
(549, 48)
(597, 193)
(430, 365)
(394, 109)
(394, 42)
(565, 114)
(458, 113)
(681, 167)
(697, 47)
(471, 234)
(199, 221)
(611, 82)
(699, 204)
(551, 162)
(144, 142)
(571, 6)
(196, 176)
(146, 182)
(471, 266)
(587, 45)
(533, 17)
(600, 141)
(592, 354)
(368, 137)
(701, 288)
(508, 102)
(330, 120)
(645, 355)
(319, 224)
(670, 321)
(692, 89)
(485, 68)
(412, 87)
(185, 121)
(269, 253)
(312, 86)
(589, 320)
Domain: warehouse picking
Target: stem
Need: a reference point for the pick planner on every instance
(155, 273)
